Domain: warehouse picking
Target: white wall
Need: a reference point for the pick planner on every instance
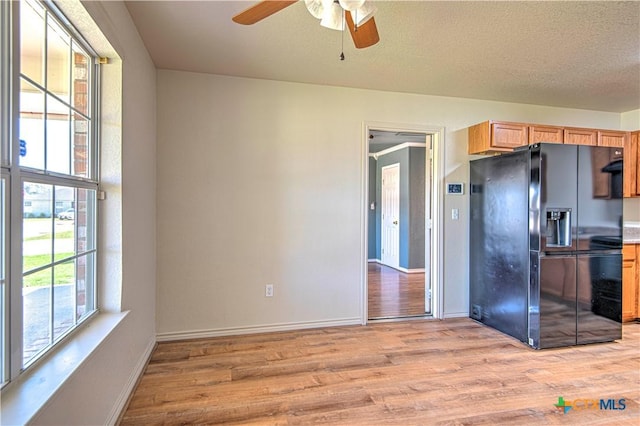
(630, 120)
(259, 182)
(98, 390)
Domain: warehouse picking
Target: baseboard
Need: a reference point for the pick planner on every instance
(400, 268)
(235, 331)
(411, 271)
(456, 315)
(123, 399)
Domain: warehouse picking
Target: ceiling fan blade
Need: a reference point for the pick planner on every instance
(261, 10)
(365, 35)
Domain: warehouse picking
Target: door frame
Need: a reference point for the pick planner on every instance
(437, 213)
(383, 240)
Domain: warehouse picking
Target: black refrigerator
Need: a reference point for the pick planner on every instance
(546, 244)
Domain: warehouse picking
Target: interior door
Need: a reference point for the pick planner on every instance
(390, 241)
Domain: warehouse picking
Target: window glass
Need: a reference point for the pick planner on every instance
(3, 279)
(59, 193)
(58, 136)
(80, 80)
(58, 61)
(55, 119)
(58, 252)
(80, 149)
(32, 41)
(31, 125)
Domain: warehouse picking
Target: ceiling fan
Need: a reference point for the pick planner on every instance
(357, 14)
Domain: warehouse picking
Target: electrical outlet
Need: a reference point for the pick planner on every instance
(455, 214)
(268, 290)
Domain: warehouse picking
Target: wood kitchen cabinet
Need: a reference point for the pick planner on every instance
(612, 138)
(552, 134)
(631, 183)
(497, 136)
(501, 136)
(575, 136)
(630, 296)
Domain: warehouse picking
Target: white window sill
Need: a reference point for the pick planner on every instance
(22, 400)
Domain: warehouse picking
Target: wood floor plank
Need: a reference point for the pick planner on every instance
(413, 372)
(394, 294)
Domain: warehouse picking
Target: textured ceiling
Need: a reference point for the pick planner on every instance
(570, 54)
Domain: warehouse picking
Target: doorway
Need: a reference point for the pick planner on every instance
(401, 281)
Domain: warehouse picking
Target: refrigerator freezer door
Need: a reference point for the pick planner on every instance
(557, 301)
(599, 297)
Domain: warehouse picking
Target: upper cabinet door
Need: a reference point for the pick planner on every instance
(575, 136)
(496, 136)
(508, 135)
(546, 134)
(631, 171)
(611, 138)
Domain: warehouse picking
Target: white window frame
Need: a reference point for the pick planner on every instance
(5, 156)
(11, 323)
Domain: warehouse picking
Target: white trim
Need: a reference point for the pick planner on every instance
(24, 398)
(397, 148)
(400, 268)
(254, 329)
(122, 400)
(411, 271)
(437, 236)
(437, 213)
(457, 315)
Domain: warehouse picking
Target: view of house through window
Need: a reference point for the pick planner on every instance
(54, 184)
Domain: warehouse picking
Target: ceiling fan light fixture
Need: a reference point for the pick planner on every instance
(332, 17)
(315, 8)
(351, 5)
(364, 13)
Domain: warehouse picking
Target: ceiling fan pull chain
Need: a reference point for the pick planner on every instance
(342, 46)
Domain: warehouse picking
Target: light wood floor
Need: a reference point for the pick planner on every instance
(418, 372)
(394, 294)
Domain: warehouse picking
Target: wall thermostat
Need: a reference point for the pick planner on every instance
(455, 188)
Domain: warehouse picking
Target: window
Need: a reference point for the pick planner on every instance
(3, 279)
(4, 175)
(51, 166)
